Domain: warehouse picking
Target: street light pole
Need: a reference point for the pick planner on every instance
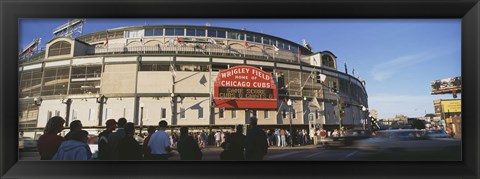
(364, 109)
(68, 102)
(289, 103)
(141, 118)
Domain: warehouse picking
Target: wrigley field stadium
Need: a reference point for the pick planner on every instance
(204, 77)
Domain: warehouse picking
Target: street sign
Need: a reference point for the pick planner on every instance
(449, 120)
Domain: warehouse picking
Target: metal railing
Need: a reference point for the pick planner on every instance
(207, 50)
(35, 55)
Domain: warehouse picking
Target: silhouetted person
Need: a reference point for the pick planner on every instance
(256, 145)
(103, 150)
(146, 149)
(49, 142)
(235, 145)
(114, 138)
(76, 148)
(128, 147)
(186, 146)
(75, 125)
(159, 143)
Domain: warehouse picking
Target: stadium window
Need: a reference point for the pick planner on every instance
(158, 32)
(193, 67)
(149, 32)
(265, 114)
(200, 32)
(169, 32)
(327, 60)
(179, 32)
(74, 114)
(49, 115)
(221, 34)
(257, 39)
(200, 113)
(59, 48)
(249, 37)
(190, 32)
(316, 114)
(154, 67)
(56, 81)
(221, 113)
(234, 114)
(212, 33)
(163, 113)
(284, 113)
(236, 35)
(216, 33)
(266, 41)
(217, 67)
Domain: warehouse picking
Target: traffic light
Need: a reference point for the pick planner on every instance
(317, 77)
(342, 108)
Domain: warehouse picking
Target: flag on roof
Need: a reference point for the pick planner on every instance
(174, 74)
(246, 45)
(212, 41)
(276, 48)
(306, 45)
(180, 40)
(105, 45)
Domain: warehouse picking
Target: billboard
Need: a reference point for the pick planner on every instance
(245, 87)
(448, 85)
(451, 106)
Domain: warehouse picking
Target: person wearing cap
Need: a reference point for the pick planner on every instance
(256, 145)
(103, 139)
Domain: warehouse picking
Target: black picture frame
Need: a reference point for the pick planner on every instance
(11, 11)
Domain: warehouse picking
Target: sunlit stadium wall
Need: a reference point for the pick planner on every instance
(127, 72)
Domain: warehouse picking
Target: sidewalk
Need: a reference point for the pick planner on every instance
(296, 147)
(289, 147)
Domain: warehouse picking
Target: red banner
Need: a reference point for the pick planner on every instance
(245, 87)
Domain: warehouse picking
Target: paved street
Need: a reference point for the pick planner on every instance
(303, 153)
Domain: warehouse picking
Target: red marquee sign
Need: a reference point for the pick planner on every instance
(245, 87)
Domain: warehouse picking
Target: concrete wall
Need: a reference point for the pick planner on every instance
(55, 106)
(116, 108)
(119, 79)
(186, 81)
(154, 82)
(192, 106)
(85, 110)
(227, 117)
(152, 108)
(271, 120)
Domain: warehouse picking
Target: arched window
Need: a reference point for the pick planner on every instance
(59, 48)
(327, 60)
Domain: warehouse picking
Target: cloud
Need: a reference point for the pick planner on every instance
(389, 68)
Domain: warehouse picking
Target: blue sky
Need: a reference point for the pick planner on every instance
(398, 58)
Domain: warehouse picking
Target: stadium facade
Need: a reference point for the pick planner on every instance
(152, 73)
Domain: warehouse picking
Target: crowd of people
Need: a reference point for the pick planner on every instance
(117, 142)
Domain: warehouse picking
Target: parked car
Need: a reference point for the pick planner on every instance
(27, 143)
(409, 144)
(437, 134)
